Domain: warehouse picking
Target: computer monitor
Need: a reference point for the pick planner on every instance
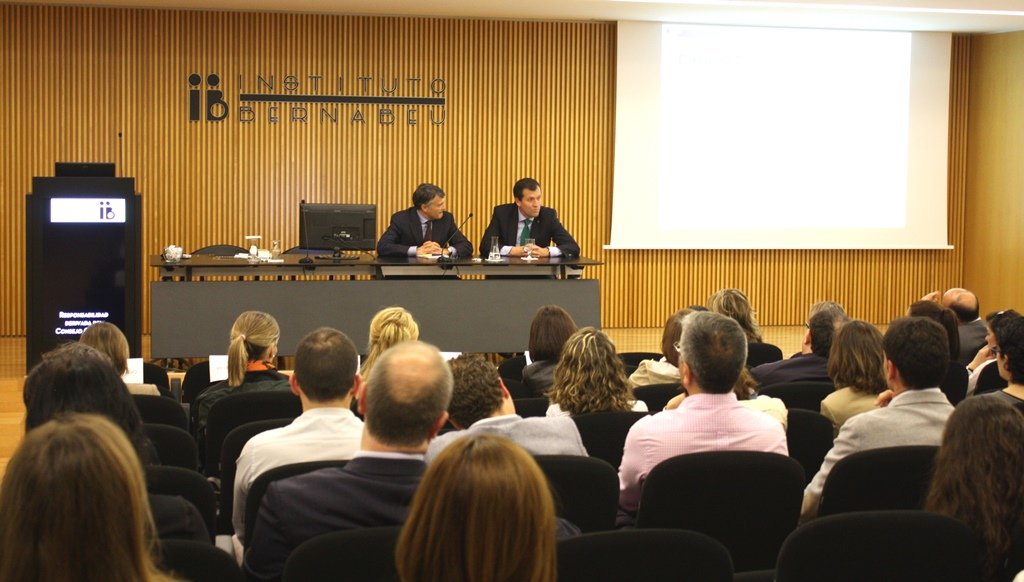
(338, 227)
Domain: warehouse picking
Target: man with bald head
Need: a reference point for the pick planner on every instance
(404, 402)
(971, 327)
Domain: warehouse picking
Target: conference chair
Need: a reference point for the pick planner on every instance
(174, 446)
(188, 484)
(909, 546)
(516, 389)
(527, 407)
(357, 555)
(160, 410)
(954, 385)
(762, 353)
(809, 437)
(260, 485)
(237, 409)
(989, 380)
(634, 358)
(651, 555)
(512, 367)
(586, 490)
(234, 442)
(749, 501)
(604, 433)
(197, 379)
(198, 562)
(153, 374)
(656, 396)
(805, 395)
(877, 479)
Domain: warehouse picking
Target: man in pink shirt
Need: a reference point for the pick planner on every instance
(712, 352)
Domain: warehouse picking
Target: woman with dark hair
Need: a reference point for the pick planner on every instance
(946, 318)
(483, 511)
(1009, 350)
(856, 364)
(550, 328)
(590, 378)
(979, 479)
(666, 369)
(985, 355)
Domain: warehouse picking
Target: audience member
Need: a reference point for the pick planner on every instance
(422, 228)
(985, 355)
(77, 378)
(324, 379)
(812, 363)
(108, 339)
(404, 404)
(712, 353)
(251, 355)
(549, 330)
(665, 370)
(590, 378)
(527, 218)
(856, 364)
(916, 356)
(971, 328)
(733, 303)
(482, 405)
(945, 317)
(1009, 352)
(388, 327)
(484, 512)
(74, 506)
(979, 480)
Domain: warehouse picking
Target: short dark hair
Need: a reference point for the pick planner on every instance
(408, 389)
(714, 347)
(424, 193)
(945, 317)
(325, 365)
(524, 184)
(823, 326)
(919, 349)
(1010, 339)
(549, 330)
(476, 389)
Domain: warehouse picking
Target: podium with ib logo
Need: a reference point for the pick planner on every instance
(83, 258)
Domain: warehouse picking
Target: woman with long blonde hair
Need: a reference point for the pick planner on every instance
(390, 326)
(483, 512)
(733, 303)
(75, 507)
(590, 377)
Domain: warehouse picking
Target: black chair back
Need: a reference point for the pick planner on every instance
(604, 433)
(197, 379)
(809, 437)
(235, 410)
(188, 484)
(362, 555)
(650, 555)
(512, 367)
(926, 547)
(878, 479)
(198, 562)
(160, 410)
(153, 374)
(761, 353)
(748, 501)
(989, 380)
(516, 388)
(527, 407)
(174, 446)
(634, 358)
(260, 485)
(656, 396)
(229, 452)
(805, 395)
(954, 385)
(586, 490)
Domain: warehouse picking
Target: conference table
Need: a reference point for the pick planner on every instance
(467, 305)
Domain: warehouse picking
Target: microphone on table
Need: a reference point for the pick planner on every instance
(444, 259)
(305, 234)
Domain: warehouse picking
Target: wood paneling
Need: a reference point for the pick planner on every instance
(523, 99)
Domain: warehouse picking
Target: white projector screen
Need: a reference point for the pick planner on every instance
(768, 138)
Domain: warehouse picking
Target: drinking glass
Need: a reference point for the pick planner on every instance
(529, 252)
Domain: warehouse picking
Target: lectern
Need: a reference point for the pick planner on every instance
(83, 260)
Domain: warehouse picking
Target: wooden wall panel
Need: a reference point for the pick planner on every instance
(524, 98)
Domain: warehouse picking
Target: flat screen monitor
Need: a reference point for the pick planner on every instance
(346, 227)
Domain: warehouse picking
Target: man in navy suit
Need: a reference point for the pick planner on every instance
(404, 402)
(526, 219)
(424, 228)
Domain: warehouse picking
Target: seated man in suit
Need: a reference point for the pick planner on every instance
(526, 219)
(404, 402)
(482, 405)
(916, 358)
(811, 365)
(424, 229)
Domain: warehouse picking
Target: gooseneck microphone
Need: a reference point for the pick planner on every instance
(444, 259)
(305, 234)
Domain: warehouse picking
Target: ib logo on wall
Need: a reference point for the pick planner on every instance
(360, 100)
(87, 210)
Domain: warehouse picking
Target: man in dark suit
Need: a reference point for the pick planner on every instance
(971, 328)
(526, 219)
(424, 228)
(404, 402)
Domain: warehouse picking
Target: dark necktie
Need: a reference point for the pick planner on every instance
(429, 233)
(526, 231)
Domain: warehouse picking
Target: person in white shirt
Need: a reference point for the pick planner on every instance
(325, 379)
